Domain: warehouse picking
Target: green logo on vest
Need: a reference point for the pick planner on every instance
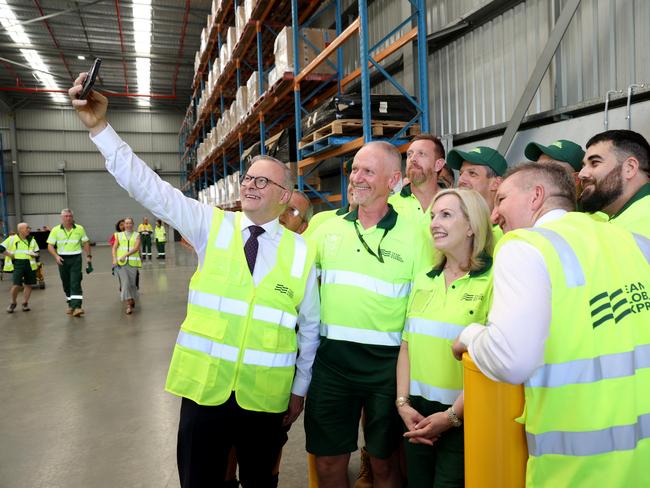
(392, 255)
(283, 289)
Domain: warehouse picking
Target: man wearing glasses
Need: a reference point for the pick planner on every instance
(367, 259)
(298, 213)
(235, 363)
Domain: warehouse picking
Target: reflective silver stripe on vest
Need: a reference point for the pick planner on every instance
(619, 438)
(226, 231)
(361, 336)
(269, 359)
(570, 263)
(433, 393)
(21, 251)
(201, 344)
(441, 330)
(299, 257)
(68, 253)
(76, 297)
(134, 258)
(644, 245)
(275, 316)
(380, 287)
(219, 303)
(592, 369)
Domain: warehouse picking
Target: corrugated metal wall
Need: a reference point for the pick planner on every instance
(49, 140)
(476, 81)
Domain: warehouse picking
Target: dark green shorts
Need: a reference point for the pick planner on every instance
(440, 465)
(23, 273)
(333, 410)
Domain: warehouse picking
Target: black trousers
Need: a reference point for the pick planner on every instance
(206, 434)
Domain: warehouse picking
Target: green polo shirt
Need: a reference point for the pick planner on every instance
(635, 214)
(339, 247)
(406, 203)
(321, 217)
(67, 242)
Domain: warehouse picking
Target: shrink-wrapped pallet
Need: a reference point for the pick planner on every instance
(224, 57)
(240, 20)
(318, 38)
(231, 40)
(249, 5)
(252, 88)
(242, 101)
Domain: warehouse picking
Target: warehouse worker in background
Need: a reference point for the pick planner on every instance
(21, 251)
(368, 259)
(64, 243)
(616, 179)
(576, 283)
(566, 153)
(298, 213)
(145, 230)
(481, 169)
(160, 234)
(237, 351)
(425, 159)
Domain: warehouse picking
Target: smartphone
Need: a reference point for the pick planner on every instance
(90, 79)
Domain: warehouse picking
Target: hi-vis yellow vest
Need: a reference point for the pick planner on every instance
(434, 319)
(124, 246)
(587, 413)
(238, 336)
(160, 234)
(20, 249)
(635, 214)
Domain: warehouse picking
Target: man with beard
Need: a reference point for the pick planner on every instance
(616, 179)
(367, 259)
(568, 321)
(425, 159)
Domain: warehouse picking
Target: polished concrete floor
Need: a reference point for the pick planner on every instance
(82, 400)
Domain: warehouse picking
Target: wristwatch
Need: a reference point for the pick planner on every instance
(401, 401)
(453, 418)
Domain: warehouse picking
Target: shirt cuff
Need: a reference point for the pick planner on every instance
(469, 333)
(107, 141)
(300, 386)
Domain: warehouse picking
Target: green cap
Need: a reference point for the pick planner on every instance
(481, 155)
(562, 150)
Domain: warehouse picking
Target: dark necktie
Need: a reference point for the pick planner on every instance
(251, 246)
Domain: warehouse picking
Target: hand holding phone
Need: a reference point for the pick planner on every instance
(90, 79)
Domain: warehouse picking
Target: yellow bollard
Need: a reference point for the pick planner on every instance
(313, 475)
(495, 445)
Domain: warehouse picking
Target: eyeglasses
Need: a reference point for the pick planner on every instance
(260, 182)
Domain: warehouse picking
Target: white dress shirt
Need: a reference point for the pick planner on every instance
(193, 220)
(511, 347)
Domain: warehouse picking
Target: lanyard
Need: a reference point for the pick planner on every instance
(67, 236)
(377, 256)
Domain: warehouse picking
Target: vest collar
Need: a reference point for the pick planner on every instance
(406, 191)
(343, 210)
(387, 222)
(487, 264)
(270, 228)
(74, 226)
(644, 191)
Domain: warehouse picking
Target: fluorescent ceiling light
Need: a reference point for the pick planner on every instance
(142, 40)
(14, 30)
(81, 57)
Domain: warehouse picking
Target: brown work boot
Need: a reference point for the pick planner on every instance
(365, 479)
(77, 312)
(69, 311)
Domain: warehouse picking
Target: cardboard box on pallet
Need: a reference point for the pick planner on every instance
(283, 50)
(215, 7)
(249, 5)
(240, 20)
(252, 88)
(241, 100)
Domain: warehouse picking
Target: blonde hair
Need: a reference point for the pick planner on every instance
(477, 214)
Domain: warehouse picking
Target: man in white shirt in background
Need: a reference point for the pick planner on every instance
(220, 367)
(569, 322)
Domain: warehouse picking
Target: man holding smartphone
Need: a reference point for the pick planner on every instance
(236, 364)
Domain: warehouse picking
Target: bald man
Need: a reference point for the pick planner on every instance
(367, 260)
(21, 251)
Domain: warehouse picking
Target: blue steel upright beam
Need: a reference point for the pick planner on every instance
(422, 65)
(364, 58)
(297, 104)
(260, 60)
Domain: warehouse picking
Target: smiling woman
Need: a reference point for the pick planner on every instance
(455, 293)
